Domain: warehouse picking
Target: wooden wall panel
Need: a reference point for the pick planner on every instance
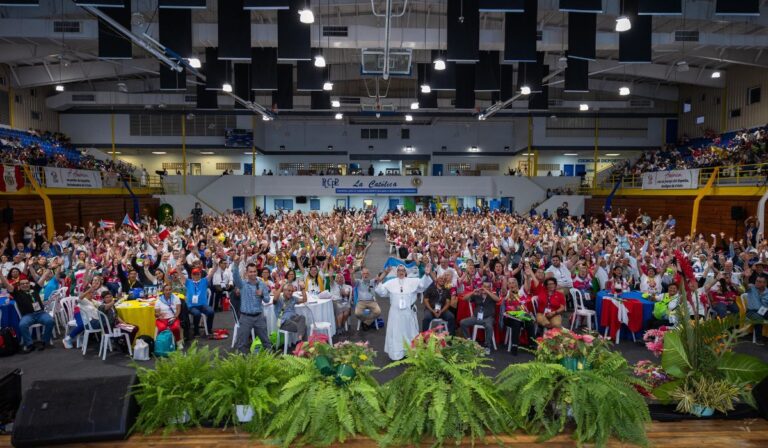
(714, 212)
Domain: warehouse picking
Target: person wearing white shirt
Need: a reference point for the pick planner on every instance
(651, 282)
(443, 268)
(561, 273)
(221, 283)
(341, 295)
(601, 274)
(402, 324)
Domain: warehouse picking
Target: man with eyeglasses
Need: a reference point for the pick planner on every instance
(32, 311)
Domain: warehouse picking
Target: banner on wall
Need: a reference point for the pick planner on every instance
(68, 178)
(671, 180)
(11, 178)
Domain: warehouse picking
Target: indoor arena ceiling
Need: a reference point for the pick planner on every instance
(57, 42)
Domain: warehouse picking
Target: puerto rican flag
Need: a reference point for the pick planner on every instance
(106, 224)
(127, 221)
(11, 178)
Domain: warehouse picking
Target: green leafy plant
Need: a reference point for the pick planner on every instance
(704, 392)
(171, 395)
(314, 409)
(558, 344)
(603, 402)
(443, 394)
(253, 380)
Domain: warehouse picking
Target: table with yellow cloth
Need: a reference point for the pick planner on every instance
(140, 314)
(743, 312)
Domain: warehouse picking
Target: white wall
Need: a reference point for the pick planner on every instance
(575, 204)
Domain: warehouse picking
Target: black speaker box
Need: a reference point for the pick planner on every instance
(7, 215)
(760, 392)
(301, 199)
(75, 411)
(738, 213)
(10, 394)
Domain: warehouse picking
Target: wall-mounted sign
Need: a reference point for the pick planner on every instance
(671, 180)
(375, 186)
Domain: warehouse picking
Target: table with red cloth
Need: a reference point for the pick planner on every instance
(639, 312)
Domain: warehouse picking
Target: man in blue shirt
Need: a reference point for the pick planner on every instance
(757, 302)
(253, 294)
(196, 290)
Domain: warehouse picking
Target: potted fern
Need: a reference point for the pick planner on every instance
(544, 396)
(171, 395)
(244, 389)
(318, 408)
(443, 394)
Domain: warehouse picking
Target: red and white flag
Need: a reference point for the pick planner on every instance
(11, 178)
(164, 233)
(106, 224)
(129, 222)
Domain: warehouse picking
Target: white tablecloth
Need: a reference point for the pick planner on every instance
(313, 311)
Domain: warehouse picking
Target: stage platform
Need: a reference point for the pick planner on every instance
(684, 434)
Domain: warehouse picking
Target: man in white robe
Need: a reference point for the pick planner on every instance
(403, 325)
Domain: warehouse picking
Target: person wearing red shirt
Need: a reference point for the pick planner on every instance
(550, 305)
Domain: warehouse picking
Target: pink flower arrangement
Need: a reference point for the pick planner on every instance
(307, 349)
(653, 375)
(558, 344)
(654, 340)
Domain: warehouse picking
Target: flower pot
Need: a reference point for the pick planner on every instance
(244, 413)
(344, 374)
(323, 364)
(575, 364)
(702, 411)
(180, 420)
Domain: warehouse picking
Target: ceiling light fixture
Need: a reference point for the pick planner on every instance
(716, 74)
(570, 154)
(481, 117)
(282, 147)
(194, 62)
(319, 61)
(474, 149)
(506, 148)
(207, 153)
(624, 91)
(623, 24)
(425, 88)
(335, 103)
(415, 105)
(159, 153)
(227, 87)
(339, 116)
(370, 147)
(306, 16)
(266, 118)
(60, 88)
(330, 147)
(583, 107)
(525, 90)
(408, 148)
(613, 154)
(439, 64)
(409, 117)
(328, 86)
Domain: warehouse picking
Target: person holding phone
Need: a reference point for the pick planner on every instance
(167, 310)
(484, 301)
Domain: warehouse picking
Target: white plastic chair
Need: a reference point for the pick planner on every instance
(581, 312)
(235, 329)
(481, 327)
(203, 317)
(108, 335)
(743, 299)
(88, 331)
(38, 327)
(325, 327)
(435, 323)
(66, 313)
(286, 335)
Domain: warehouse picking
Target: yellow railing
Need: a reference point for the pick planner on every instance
(725, 176)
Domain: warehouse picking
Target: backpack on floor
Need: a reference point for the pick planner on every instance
(164, 344)
(9, 344)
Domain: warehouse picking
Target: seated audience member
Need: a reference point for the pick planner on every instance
(550, 305)
(484, 302)
(107, 307)
(515, 302)
(221, 283)
(650, 283)
(88, 306)
(32, 311)
(757, 302)
(341, 295)
(722, 295)
(366, 300)
(617, 283)
(285, 311)
(437, 302)
(664, 308)
(560, 272)
(167, 310)
(197, 300)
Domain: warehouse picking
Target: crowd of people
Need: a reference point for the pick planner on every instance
(481, 269)
(56, 150)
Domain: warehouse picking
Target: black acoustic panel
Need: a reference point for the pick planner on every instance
(582, 35)
(101, 3)
(581, 5)
(183, 4)
(426, 100)
(215, 72)
(577, 75)
(309, 77)
(520, 34)
(465, 82)
(111, 44)
(264, 73)
(172, 80)
(266, 4)
(320, 100)
(234, 31)
(463, 34)
(176, 30)
(660, 7)
(75, 411)
(242, 86)
(206, 99)
(282, 98)
(501, 5)
(293, 37)
(635, 44)
(530, 74)
(738, 7)
(19, 2)
(487, 72)
(442, 79)
(539, 101)
(506, 82)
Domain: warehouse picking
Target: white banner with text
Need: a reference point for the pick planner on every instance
(69, 178)
(671, 180)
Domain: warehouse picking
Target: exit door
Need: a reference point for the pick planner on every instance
(581, 170)
(568, 170)
(393, 203)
